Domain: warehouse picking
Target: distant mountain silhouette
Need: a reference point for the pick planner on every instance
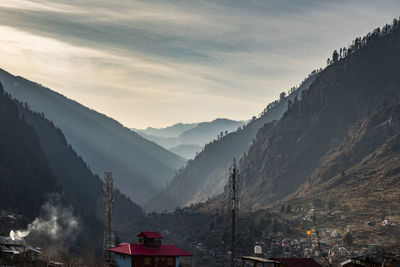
(140, 167)
(205, 132)
(206, 175)
(188, 139)
(167, 132)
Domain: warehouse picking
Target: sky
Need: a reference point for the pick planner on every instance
(156, 63)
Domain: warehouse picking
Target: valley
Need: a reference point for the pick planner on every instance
(314, 175)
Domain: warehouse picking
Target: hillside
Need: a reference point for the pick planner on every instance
(364, 169)
(354, 188)
(25, 177)
(82, 188)
(285, 156)
(188, 139)
(206, 175)
(30, 190)
(140, 167)
(38, 162)
(335, 153)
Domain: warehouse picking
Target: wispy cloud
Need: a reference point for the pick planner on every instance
(160, 62)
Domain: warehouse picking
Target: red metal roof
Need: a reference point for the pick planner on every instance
(142, 250)
(298, 262)
(150, 235)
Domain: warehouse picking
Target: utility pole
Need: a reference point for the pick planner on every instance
(109, 235)
(234, 204)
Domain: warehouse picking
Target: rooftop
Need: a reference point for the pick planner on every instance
(258, 259)
(142, 250)
(152, 235)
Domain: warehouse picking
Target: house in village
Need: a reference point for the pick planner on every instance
(149, 252)
(17, 251)
(10, 248)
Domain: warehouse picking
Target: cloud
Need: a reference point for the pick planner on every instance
(160, 62)
(26, 5)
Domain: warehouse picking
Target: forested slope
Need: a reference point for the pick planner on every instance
(36, 162)
(25, 177)
(140, 167)
(83, 189)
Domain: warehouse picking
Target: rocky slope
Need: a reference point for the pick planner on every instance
(354, 188)
(284, 156)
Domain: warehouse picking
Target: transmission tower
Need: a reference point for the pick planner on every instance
(109, 235)
(233, 205)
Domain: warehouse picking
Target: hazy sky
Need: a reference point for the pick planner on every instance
(155, 63)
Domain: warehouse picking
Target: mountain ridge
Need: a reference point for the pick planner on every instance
(170, 131)
(141, 167)
(284, 156)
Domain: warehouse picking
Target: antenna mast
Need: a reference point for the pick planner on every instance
(234, 204)
(109, 235)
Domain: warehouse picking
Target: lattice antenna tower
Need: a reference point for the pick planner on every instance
(233, 204)
(109, 235)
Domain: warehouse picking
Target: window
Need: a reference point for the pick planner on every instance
(147, 261)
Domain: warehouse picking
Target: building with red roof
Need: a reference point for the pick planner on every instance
(149, 252)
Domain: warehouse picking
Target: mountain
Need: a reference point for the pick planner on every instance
(82, 188)
(207, 131)
(189, 138)
(37, 162)
(329, 165)
(362, 174)
(25, 177)
(167, 132)
(206, 175)
(321, 136)
(371, 146)
(140, 167)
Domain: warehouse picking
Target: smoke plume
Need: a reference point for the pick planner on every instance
(56, 221)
